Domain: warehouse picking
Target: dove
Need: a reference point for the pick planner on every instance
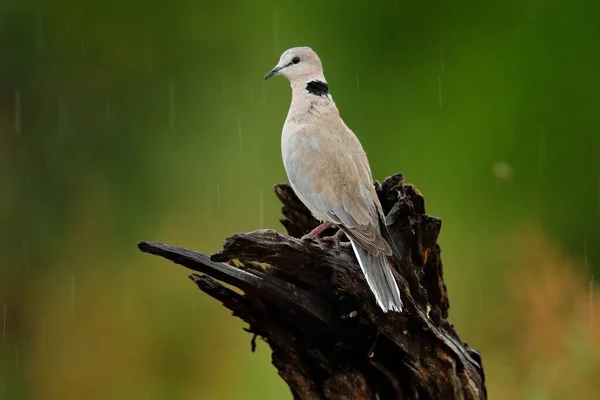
(330, 173)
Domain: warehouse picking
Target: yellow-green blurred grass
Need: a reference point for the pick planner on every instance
(140, 330)
(540, 339)
(557, 321)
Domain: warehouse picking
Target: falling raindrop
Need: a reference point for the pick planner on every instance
(240, 133)
(470, 177)
(598, 195)
(171, 104)
(262, 208)
(541, 152)
(357, 83)
(440, 89)
(25, 255)
(149, 52)
(63, 116)
(39, 32)
(585, 255)
(73, 292)
(276, 33)
(442, 59)
(18, 112)
(43, 331)
(126, 292)
(482, 58)
(218, 198)
(4, 323)
(592, 301)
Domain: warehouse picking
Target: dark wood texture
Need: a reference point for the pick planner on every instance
(311, 304)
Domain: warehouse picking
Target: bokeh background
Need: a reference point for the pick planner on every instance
(133, 120)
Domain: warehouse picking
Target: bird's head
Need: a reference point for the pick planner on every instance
(299, 64)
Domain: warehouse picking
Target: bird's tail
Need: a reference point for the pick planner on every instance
(379, 276)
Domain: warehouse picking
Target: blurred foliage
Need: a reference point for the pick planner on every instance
(123, 121)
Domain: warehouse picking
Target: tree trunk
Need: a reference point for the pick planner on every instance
(313, 307)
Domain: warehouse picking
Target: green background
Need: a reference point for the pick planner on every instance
(133, 120)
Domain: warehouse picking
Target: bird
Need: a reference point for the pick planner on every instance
(328, 170)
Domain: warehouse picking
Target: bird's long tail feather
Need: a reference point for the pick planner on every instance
(379, 276)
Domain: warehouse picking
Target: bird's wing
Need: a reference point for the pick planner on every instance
(329, 168)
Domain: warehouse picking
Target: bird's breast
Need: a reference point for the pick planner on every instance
(302, 157)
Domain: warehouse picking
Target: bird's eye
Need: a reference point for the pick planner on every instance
(296, 60)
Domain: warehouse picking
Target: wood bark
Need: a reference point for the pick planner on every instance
(311, 304)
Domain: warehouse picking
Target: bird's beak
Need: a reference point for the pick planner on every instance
(273, 72)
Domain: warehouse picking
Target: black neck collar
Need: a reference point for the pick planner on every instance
(318, 88)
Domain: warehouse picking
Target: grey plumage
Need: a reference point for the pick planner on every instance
(329, 171)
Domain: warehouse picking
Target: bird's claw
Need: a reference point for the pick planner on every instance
(315, 235)
(335, 240)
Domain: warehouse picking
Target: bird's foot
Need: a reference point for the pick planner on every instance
(316, 233)
(335, 240)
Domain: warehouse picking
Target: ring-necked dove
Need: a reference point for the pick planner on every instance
(329, 171)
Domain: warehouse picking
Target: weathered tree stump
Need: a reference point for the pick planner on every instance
(313, 307)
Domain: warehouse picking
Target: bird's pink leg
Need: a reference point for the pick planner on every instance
(315, 233)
